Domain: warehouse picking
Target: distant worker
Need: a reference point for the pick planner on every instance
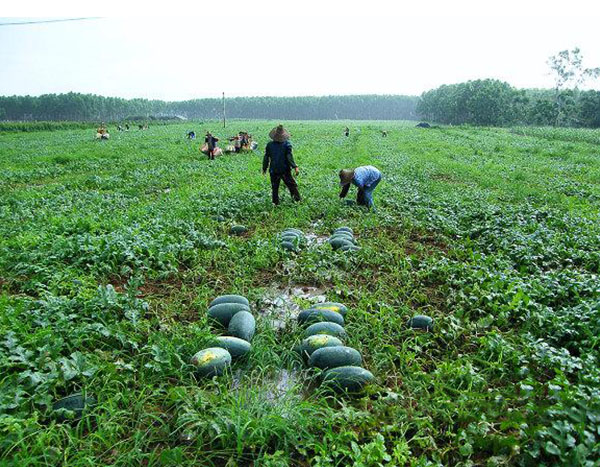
(384, 133)
(347, 131)
(365, 178)
(191, 135)
(280, 162)
(102, 132)
(237, 142)
(245, 140)
(127, 127)
(211, 145)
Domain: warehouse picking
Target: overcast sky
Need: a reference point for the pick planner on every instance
(285, 51)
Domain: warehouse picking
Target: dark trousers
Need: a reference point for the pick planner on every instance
(289, 182)
(360, 197)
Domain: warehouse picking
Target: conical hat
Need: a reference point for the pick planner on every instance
(279, 134)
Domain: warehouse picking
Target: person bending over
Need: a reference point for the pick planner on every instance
(365, 178)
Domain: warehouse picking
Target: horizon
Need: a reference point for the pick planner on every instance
(268, 96)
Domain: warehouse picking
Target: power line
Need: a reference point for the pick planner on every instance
(49, 21)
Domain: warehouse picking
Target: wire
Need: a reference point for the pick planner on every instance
(49, 21)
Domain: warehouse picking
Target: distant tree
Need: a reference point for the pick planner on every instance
(568, 72)
(480, 102)
(589, 109)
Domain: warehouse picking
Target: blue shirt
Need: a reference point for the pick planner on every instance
(365, 176)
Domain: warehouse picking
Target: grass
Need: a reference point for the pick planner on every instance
(109, 255)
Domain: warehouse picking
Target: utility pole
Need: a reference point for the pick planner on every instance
(223, 110)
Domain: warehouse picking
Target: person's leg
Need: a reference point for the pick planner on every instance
(275, 179)
(360, 197)
(292, 186)
(369, 194)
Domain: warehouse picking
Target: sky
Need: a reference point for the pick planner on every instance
(187, 51)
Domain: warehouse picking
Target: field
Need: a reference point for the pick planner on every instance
(110, 253)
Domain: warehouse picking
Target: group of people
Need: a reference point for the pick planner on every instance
(240, 142)
(279, 160)
(102, 132)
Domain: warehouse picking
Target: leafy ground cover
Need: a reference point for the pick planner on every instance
(111, 251)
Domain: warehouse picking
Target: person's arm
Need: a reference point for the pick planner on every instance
(290, 158)
(266, 160)
(345, 189)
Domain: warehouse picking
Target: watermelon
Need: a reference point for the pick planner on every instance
(332, 329)
(421, 322)
(291, 238)
(230, 299)
(288, 246)
(344, 235)
(223, 312)
(333, 306)
(348, 378)
(288, 233)
(338, 242)
(294, 231)
(242, 325)
(317, 316)
(238, 229)
(332, 357)
(312, 343)
(234, 345)
(76, 403)
(211, 361)
(343, 229)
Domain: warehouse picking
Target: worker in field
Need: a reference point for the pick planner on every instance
(366, 179)
(237, 142)
(280, 162)
(347, 131)
(102, 132)
(211, 145)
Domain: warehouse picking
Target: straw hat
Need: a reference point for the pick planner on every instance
(279, 134)
(346, 176)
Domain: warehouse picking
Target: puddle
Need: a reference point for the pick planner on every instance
(279, 387)
(313, 238)
(279, 307)
(274, 388)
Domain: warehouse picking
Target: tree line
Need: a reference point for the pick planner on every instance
(495, 103)
(89, 107)
(487, 102)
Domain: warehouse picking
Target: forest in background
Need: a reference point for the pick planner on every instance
(481, 103)
(89, 107)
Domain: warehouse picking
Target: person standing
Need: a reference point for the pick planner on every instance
(211, 144)
(347, 131)
(280, 162)
(366, 179)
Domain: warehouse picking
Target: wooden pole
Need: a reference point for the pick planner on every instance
(223, 110)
